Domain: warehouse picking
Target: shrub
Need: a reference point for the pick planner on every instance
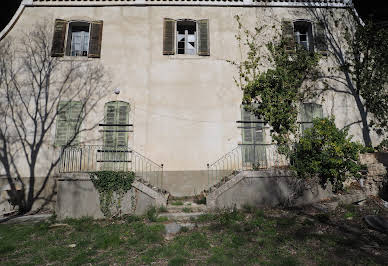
(326, 152)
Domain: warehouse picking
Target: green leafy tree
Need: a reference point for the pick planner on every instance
(326, 152)
(361, 66)
(276, 89)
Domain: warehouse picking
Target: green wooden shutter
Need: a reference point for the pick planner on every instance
(110, 118)
(122, 134)
(58, 46)
(247, 137)
(320, 38)
(203, 37)
(68, 122)
(74, 118)
(169, 36)
(95, 39)
(308, 113)
(288, 35)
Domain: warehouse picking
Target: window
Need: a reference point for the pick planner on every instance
(115, 154)
(77, 38)
(310, 111)
(68, 123)
(116, 126)
(253, 139)
(306, 34)
(186, 37)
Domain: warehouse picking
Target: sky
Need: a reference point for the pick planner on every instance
(379, 8)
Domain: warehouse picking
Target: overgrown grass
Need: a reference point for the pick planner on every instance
(229, 237)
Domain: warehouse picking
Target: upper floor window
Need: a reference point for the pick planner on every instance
(77, 38)
(186, 37)
(304, 34)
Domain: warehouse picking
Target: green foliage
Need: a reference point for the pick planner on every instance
(383, 146)
(109, 182)
(177, 203)
(273, 95)
(369, 69)
(328, 153)
(152, 214)
(186, 209)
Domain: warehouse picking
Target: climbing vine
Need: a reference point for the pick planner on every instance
(109, 183)
(272, 84)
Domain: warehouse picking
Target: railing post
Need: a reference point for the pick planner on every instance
(161, 181)
(208, 177)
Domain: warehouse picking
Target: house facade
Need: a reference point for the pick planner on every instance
(173, 97)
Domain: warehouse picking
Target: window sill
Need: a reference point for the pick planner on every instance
(186, 56)
(76, 58)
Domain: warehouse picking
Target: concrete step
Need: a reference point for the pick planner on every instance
(180, 216)
(186, 208)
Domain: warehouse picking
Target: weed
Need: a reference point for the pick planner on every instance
(186, 209)
(184, 229)
(162, 219)
(176, 261)
(152, 214)
(348, 215)
(206, 217)
(162, 209)
(247, 208)
(177, 203)
(131, 218)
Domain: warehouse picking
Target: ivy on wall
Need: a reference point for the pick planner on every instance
(271, 78)
(110, 184)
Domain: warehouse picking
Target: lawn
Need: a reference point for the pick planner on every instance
(302, 236)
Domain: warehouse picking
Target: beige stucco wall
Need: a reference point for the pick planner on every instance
(184, 108)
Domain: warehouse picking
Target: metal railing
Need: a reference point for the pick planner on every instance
(246, 157)
(92, 158)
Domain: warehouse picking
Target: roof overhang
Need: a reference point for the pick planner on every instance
(247, 3)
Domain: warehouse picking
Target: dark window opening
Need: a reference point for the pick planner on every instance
(303, 35)
(186, 37)
(78, 39)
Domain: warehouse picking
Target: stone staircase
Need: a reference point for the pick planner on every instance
(183, 210)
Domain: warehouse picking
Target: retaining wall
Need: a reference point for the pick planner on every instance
(77, 197)
(261, 188)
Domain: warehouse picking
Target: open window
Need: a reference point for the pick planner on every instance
(304, 34)
(186, 37)
(77, 38)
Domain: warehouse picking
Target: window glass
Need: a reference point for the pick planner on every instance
(186, 37)
(78, 38)
(303, 34)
